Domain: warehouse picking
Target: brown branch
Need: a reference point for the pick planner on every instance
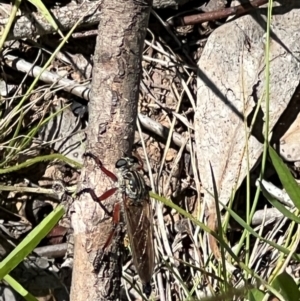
(31, 24)
(112, 117)
(238, 10)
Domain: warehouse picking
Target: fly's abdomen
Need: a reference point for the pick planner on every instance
(139, 220)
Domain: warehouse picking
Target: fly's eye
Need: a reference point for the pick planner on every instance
(121, 163)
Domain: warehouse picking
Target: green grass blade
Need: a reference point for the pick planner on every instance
(47, 15)
(206, 229)
(286, 178)
(249, 229)
(42, 122)
(256, 295)
(226, 247)
(40, 159)
(278, 205)
(183, 213)
(287, 286)
(220, 230)
(30, 241)
(49, 61)
(19, 288)
(10, 22)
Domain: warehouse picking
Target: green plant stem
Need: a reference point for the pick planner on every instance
(40, 159)
(280, 260)
(10, 22)
(266, 124)
(221, 241)
(19, 288)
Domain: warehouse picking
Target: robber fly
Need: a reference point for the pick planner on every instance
(138, 213)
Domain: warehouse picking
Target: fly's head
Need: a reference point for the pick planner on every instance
(131, 181)
(127, 164)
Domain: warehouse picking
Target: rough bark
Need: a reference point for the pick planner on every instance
(112, 116)
(31, 24)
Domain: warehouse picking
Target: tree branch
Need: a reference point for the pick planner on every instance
(112, 115)
(31, 24)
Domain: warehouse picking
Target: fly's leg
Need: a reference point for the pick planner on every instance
(101, 198)
(99, 163)
(115, 214)
(116, 219)
(107, 193)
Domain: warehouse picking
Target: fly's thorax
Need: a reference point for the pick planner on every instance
(135, 187)
(131, 182)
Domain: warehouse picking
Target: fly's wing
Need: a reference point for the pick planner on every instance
(140, 231)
